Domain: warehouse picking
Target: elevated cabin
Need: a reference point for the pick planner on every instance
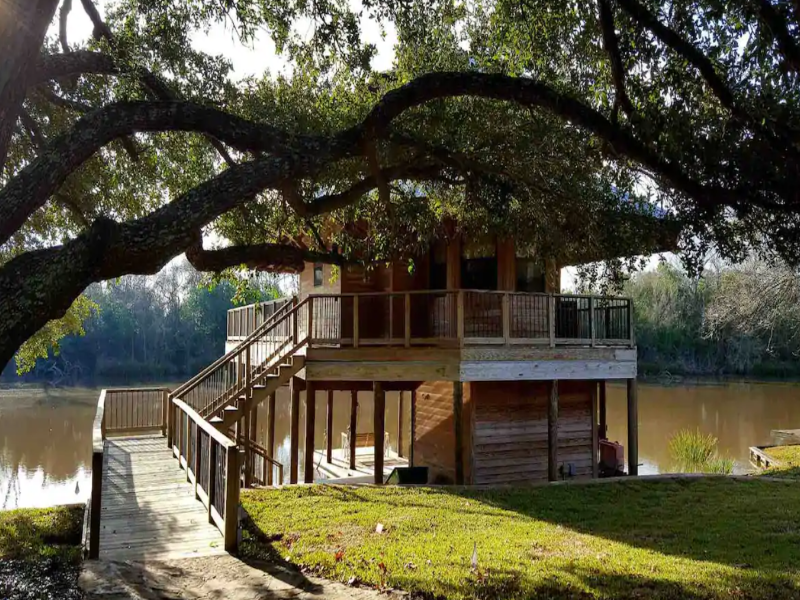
(504, 375)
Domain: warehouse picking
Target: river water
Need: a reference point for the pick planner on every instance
(46, 434)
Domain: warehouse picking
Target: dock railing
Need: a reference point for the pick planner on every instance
(120, 411)
(467, 318)
(211, 462)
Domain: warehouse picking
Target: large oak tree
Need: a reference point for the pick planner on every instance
(566, 125)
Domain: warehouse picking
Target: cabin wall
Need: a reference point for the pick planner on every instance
(510, 430)
(434, 436)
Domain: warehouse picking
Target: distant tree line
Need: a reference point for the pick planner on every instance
(732, 320)
(145, 329)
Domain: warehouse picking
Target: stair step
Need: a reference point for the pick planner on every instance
(230, 409)
(260, 386)
(215, 420)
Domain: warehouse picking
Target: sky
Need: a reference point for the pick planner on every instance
(260, 57)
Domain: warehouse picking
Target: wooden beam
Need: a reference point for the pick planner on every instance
(231, 491)
(552, 432)
(413, 427)
(458, 430)
(603, 415)
(294, 434)
(400, 424)
(353, 427)
(248, 458)
(633, 428)
(379, 429)
(311, 413)
(329, 428)
(271, 435)
(595, 439)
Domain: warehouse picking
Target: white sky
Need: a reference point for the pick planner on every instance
(260, 57)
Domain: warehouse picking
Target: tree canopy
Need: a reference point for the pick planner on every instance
(561, 124)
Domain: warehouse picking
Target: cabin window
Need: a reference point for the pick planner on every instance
(318, 278)
(530, 275)
(479, 264)
(438, 272)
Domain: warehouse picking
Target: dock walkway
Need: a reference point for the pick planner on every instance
(149, 508)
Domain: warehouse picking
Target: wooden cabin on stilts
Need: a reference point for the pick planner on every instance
(499, 377)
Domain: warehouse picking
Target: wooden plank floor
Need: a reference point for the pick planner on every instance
(339, 470)
(148, 508)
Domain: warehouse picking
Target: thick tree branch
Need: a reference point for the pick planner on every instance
(40, 285)
(261, 257)
(31, 188)
(611, 44)
(21, 38)
(532, 93)
(685, 49)
(149, 80)
(779, 29)
(69, 64)
(63, 17)
(37, 139)
(331, 202)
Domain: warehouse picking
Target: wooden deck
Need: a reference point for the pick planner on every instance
(148, 507)
(339, 470)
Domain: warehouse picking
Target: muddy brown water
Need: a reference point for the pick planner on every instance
(45, 434)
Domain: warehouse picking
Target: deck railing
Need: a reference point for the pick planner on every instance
(264, 470)
(211, 462)
(233, 373)
(468, 318)
(244, 320)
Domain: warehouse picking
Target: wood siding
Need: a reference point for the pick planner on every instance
(434, 437)
(510, 430)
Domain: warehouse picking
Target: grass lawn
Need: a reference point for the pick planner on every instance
(40, 552)
(703, 538)
(789, 456)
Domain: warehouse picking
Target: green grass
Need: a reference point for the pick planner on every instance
(706, 538)
(30, 534)
(789, 456)
(693, 452)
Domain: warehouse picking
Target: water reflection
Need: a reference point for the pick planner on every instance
(45, 446)
(45, 435)
(740, 415)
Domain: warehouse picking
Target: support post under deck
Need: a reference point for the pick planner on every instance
(633, 428)
(353, 427)
(311, 413)
(552, 432)
(329, 428)
(294, 434)
(380, 428)
(458, 430)
(270, 445)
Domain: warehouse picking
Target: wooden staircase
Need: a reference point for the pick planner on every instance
(236, 383)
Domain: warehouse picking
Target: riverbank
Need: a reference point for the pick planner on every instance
(693, 538)
(40, 553)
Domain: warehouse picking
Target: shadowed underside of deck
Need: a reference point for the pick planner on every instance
(149, 509)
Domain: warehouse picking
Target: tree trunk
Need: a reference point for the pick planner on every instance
(22, 29)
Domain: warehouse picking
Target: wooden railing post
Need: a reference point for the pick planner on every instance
(407, 320)
(164, 412)
(460, 317)
(551, 319)
(592, 335)
(295, 322)
(96, 504)
(231, 492)
(355, 321)
(310, 320)
(198, 452)
(212, 475)
(506, 308)
(170, 424)
(630, 323)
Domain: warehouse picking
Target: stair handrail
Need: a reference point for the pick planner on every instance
(272, 320)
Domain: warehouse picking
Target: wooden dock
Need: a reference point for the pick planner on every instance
(149, 508)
